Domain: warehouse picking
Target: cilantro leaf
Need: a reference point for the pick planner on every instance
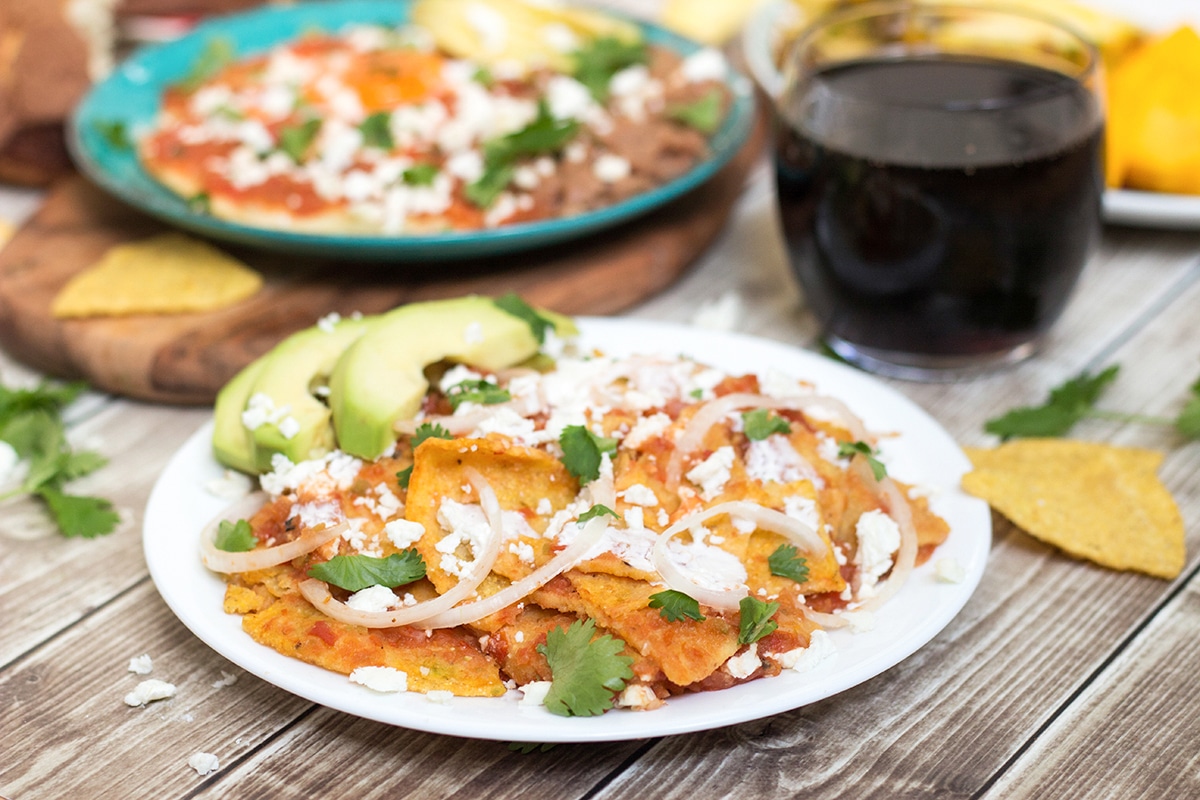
(429, 431)
(784, 563)
(538, 324)
(545, 134)
(483, 392)
(756, 622)
(76, 515)
(420, 174)
(357, 572)
(218, 52)
(114, 133)
(234, 537)
(674, 606)
(703, 114)
(377, 131)
(31, 424)
(586, 673)
(601, 58)
(758, 424)
(852, 449)
(596, 511)
(200, 203)
(583, 450)
(294, 140)
(1066, 405)
(404, 476)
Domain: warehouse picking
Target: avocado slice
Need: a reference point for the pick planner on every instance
(380, 378)
(288, 375)
(232, 443)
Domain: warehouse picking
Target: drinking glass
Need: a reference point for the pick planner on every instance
(940, 173)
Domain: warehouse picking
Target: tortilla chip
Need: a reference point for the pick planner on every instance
(165, 274)
(1092, 500)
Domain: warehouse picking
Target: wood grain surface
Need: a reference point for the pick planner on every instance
(186, 358)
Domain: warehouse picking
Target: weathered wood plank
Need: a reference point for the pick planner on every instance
(66, 731)
(1143, 710)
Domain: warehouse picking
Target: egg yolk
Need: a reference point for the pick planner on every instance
(385, 79)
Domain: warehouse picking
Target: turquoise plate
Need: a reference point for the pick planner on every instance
(130, 97)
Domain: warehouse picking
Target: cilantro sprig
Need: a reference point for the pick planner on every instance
(759, 424)
(674, 606)
(294, 140)
(356, 572)
(218, 52)
(601, 58)
(1075, 400)
(784, 562)
(598, 510)
(376, 131)
(114, 133)
(852, 449)
(545, 134)
(703, 114)
(481, 392)
(586, 672)
(513, 304)
(428, 430)
(235, 537)
(583, 452)
(755, 621)
(31, 424)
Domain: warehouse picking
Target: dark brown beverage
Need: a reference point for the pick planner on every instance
(952, 223)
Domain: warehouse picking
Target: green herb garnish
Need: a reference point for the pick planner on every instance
(785, 563)
(596, 511)
(759, 424)
(420, 174)
(428, 431)
(234, 537)
(538, 324)
(852, 449)
(357, 572)
(756, 622)
(294, 140)
(545, 134)
(31, 424)
(583, 451)
(376, 130)
(601, 58)
(114, 133)
(674, 606)
(703, 114)
(586, 673)
(404, 476)
(218, 53)
(482, 392)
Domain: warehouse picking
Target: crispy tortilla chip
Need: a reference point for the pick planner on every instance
(165, 274)
(1094, 501)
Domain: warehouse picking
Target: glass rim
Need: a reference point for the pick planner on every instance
(1088, 71)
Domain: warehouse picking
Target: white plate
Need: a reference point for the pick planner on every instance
(923, 454)
(1121, 206)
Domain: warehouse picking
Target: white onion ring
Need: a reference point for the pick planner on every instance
(317, 592)
(769, 519)
(229, 563)
(592, 532)
(711, 413)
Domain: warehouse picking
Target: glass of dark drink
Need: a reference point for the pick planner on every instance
(940, 172)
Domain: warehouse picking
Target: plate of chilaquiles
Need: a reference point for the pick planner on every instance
(478, 518)
(412, 130)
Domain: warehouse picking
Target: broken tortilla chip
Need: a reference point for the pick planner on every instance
(165, 274)
(1094, 501)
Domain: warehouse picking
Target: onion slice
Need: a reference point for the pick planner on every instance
(593, 531)
(317, 592)
(768, 519)
(230, 563)
(712, 412)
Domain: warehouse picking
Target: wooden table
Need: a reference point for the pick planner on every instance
(1058, 679)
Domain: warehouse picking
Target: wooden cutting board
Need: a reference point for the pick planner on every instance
(186, 358)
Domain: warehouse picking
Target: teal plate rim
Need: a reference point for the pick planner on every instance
(130, 97)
